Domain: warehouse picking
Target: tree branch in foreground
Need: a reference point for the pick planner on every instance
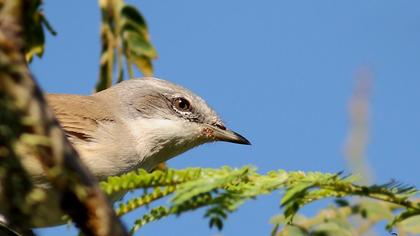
(31, 126)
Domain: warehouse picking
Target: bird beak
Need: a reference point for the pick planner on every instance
(220, 133)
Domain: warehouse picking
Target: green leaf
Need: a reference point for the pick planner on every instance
(375, 211)
(341, 202)
(129, 12)
(217, 222)
(401, 217)
(292, 230)
(331, 228)
(153, 215)
(35, 39)
(411, 225)
(35, 22)
(138, 45)
(295, 191)
(211, 181)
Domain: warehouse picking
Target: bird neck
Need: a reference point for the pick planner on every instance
(158, 140)
(120, 147)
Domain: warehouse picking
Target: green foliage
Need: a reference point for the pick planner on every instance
(222, 191)
(124, 36)
(334, 220)
(136, 41)
(411, 225)
(35, 22)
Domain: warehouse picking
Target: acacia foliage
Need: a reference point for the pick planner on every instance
(222, 191)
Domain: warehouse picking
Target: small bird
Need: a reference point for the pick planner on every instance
(137, 123)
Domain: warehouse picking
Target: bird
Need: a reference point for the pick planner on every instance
(137, 123)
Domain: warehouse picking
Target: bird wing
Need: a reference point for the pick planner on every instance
(78, 115)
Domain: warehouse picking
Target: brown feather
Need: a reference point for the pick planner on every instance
(79, 115)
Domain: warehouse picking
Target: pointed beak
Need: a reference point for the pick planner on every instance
(220, 133)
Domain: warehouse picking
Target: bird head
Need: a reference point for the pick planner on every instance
(167, 119)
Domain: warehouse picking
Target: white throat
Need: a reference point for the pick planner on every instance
(158, 140)
(140, 143)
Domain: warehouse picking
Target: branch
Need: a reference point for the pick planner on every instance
(33, 128)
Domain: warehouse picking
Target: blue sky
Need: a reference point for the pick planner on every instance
(279, 72)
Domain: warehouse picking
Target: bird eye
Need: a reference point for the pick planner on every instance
(182, 104)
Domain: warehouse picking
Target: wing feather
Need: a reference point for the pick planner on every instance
(79, 115)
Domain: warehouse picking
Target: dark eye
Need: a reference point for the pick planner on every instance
(182, 104)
